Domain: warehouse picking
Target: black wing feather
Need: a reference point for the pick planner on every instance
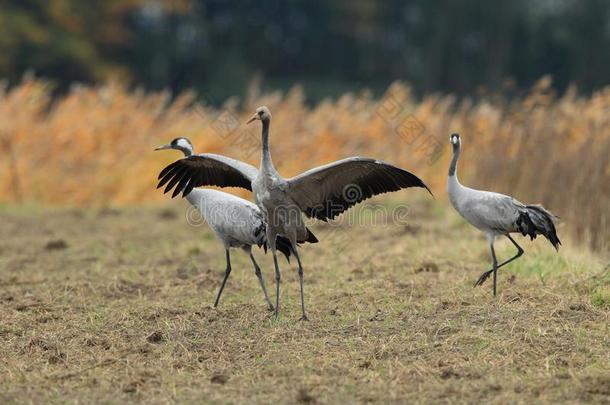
(168, 175)
(175, 179)
(324, 192)
(203, 170)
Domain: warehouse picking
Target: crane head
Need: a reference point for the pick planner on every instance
(261, 113)
(181, 144)
(454, 139)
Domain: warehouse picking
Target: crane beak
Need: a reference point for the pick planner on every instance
(253, 118)
(163, 147)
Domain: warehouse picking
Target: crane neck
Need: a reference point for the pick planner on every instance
(187, 151)
(266, 153)
(454, 160)
(454, 188)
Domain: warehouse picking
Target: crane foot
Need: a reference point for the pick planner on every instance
(483, 278)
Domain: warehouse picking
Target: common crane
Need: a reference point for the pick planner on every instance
(323, 192)
(497, 214)
(238, 223)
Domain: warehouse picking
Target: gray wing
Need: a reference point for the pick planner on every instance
(326, 191)
(206, 169)
(493, 211)
(242, 222)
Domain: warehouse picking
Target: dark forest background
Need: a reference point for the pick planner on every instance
(330, 46)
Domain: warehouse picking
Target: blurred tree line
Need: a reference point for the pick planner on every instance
(217, 46)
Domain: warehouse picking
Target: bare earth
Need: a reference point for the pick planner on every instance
(108, 306)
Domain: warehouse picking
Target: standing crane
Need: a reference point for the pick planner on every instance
(497, 214)
(323, 192)
(238, 223)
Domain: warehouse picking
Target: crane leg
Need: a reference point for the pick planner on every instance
(486, 275)
(224, 280)
(494, 267)
(277, 283)
(296, 254)
(257, 271)
(271, 243)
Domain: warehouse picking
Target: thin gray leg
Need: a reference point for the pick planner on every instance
(495, 266)
(227, 272)
(257, 271)
(486, 275)
(277, 283)
(296, 254)
(271, 243)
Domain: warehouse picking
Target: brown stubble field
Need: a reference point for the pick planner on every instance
(100, 306)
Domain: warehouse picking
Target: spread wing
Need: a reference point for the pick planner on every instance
(206, 169)
(326, 191)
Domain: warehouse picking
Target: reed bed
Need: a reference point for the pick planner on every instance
(94, 145)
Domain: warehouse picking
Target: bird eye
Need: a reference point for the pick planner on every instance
(260, 113)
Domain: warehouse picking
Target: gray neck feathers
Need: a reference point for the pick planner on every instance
(266, 157)
(454, 160)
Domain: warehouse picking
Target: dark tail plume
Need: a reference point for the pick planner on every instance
(283, 245)
(536, 220)
(311, 238)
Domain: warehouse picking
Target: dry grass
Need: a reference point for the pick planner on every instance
(94, 145)
(115, 305)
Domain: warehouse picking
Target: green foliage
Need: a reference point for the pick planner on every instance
(64, 39)
(601, 297)
(329, 45)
